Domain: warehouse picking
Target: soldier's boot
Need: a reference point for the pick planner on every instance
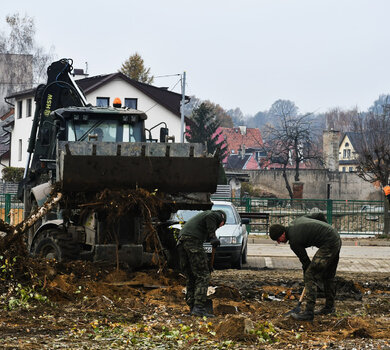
(326, 310)
(330, 295)
(199, 310)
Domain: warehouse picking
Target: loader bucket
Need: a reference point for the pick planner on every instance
(168, 167)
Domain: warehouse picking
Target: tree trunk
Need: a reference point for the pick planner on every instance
(296, 178)
(290, 192)
(386, 217)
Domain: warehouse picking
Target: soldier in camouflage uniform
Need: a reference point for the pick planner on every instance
(308, 231)
(193, 259)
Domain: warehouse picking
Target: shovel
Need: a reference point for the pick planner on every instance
(209, 302)
(212, 258)
(297, 309)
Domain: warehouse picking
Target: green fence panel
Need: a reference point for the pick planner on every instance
(11, 209)
(353, 217)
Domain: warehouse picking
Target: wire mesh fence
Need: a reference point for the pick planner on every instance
(11, 209)
(354, 217)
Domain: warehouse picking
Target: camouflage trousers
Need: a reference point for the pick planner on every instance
(194, 265)
(322, 268)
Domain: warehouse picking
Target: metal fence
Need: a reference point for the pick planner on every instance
(11, 209)
(353, 217)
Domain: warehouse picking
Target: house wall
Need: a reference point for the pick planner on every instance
(342, 185)
(117, 88)
(330, 142)
(21, 132)
(155, 112)
(252, 164)
(346, 153)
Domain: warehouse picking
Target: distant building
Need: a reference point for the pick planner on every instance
(347, 154)
(244, 147)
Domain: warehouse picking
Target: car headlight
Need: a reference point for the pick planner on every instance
(228, 240)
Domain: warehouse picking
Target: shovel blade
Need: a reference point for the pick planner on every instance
(295, 310)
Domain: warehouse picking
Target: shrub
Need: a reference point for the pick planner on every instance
(12, 174)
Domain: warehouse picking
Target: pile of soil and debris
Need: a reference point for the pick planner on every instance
(51, 304)
(94, 306)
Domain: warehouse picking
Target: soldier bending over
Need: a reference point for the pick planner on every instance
(307, 231)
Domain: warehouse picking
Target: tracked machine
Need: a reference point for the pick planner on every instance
(80, 150)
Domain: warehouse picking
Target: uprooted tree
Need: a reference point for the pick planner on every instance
(292, 140)
(373, 149)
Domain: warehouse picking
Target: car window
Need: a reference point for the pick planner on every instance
(185, 215)
(230, 217)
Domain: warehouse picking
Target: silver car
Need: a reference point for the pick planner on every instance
(233, 235)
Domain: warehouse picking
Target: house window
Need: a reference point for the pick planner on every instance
(102, 101)
(346, 144)
(29, 107)
(343, 169)
(348, 153)
(20, 151)
(350, 169)
(131, 103)
(20, 109)
(345, 153)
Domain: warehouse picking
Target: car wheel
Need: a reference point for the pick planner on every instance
(238, 263)
(245, 255)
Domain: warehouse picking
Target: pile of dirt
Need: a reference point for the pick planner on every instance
(235, 328)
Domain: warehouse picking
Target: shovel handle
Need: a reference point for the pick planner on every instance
(212, 257)
(302, 295)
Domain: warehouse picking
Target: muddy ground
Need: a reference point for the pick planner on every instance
(84, 306)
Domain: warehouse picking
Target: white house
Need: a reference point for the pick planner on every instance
(159, 104)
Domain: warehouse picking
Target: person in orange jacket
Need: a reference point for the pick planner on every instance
(386, 190)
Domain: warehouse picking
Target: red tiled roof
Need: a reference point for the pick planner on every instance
(235, 138)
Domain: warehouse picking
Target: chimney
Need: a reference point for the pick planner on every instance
(78, 73)
(243, 130)
(330, 140)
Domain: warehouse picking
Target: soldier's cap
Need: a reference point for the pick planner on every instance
(223, 215)
(275, 231)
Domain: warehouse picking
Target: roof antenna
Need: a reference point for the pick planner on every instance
(86, 67)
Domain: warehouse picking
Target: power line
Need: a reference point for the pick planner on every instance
(165, 76)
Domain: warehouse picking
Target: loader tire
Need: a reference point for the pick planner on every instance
(55, 244)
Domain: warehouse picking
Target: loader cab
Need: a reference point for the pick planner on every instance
(101, 124)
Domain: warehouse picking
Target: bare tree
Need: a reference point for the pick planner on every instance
(291, 140)
(341, 120)
(21, 41)
(373, 149)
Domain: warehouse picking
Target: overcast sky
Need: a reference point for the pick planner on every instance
(319, 54)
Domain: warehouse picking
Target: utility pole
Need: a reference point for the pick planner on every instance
(183, 97)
